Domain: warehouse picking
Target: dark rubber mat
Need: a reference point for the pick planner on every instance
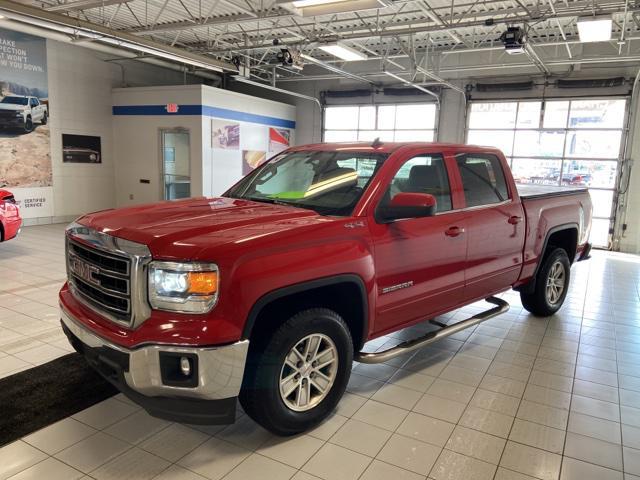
(35, 398)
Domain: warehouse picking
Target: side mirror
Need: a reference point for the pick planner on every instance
(407, 205)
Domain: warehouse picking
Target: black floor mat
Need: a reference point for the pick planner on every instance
(32, 399)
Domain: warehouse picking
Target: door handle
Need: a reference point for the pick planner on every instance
(454, 231)
(514, 220)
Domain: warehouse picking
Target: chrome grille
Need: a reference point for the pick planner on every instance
(101, 278)
(108, 274)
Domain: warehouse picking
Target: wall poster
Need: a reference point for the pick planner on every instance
(279, 139)
(25, 152)
(81, 149)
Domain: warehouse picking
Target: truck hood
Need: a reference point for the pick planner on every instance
(9, 107)
(183, 229)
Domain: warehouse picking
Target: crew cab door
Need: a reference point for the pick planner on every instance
(419, 262)
(496, 224)
(36, 109)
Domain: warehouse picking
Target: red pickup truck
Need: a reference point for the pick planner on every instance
(270, 292)
(10, 220)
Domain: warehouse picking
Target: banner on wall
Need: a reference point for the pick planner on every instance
(25, 151)
(238, 147)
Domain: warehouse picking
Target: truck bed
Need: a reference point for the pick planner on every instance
(528, 192)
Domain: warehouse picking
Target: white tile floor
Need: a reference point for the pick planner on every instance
(517, 398)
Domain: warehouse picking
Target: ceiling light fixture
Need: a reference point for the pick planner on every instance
(343, 52)
(314, 3)
(595, 29)
(310, 8)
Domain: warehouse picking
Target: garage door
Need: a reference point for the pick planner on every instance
(389, 123)
(575, 142)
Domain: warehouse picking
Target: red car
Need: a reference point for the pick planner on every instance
(10, 220)
(270, 292)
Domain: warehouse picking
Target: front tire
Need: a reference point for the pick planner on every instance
(552, 284)
(296, 377)
(28, 125)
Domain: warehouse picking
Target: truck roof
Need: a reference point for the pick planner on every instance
(390, 147)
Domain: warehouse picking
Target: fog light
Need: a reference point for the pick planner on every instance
(185, 366)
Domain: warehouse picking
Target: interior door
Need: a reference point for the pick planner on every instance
(176, 159)
(496, 226)
(419, 262)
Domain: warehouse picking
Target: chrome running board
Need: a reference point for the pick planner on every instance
(410, 345)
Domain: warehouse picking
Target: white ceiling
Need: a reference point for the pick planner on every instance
(398, 36)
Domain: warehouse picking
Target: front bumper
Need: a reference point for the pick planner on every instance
(586, 252)
(11, 122)
(142, 375)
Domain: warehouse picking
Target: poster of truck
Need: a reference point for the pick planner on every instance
(81, 149)
(25, 153)
(225, 134)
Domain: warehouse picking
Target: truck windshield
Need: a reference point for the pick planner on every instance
(15, 100)
(330, 183)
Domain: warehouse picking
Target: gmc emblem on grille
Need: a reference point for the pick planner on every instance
(83, 270)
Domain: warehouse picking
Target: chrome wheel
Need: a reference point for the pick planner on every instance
(556, 283)
(309, 372)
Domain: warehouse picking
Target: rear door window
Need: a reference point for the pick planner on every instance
(482, 179)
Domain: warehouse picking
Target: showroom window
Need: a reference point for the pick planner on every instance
(558, 142)
(389, 123)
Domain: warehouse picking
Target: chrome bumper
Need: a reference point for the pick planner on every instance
(220, 369)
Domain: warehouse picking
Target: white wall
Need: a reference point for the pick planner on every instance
(137, 139)
(221, 168)
(137, 142)
(80, 84)
(629, 210)
(80, 103)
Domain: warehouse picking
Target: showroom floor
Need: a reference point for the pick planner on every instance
(518, 398)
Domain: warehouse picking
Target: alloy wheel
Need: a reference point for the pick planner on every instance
(308, 373)
(555, 283)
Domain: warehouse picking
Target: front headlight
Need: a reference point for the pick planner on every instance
(183, 287)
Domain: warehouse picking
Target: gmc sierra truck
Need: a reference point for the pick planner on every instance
(269, 292)
(22, 112)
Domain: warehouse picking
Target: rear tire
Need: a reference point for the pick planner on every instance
(44, 119)
(552, 284)
(283, 383)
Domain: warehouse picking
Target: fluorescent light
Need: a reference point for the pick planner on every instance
(594, 29)
(342, 51)
(313, 3)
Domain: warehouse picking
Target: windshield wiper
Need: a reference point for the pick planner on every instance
(269, 200)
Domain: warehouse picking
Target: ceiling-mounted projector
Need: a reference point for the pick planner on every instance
(514, 40)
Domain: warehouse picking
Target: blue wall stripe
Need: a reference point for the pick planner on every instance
(203, 110)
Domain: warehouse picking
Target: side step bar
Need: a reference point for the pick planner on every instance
(410, 345)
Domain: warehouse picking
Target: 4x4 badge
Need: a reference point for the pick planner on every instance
(358, 224)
